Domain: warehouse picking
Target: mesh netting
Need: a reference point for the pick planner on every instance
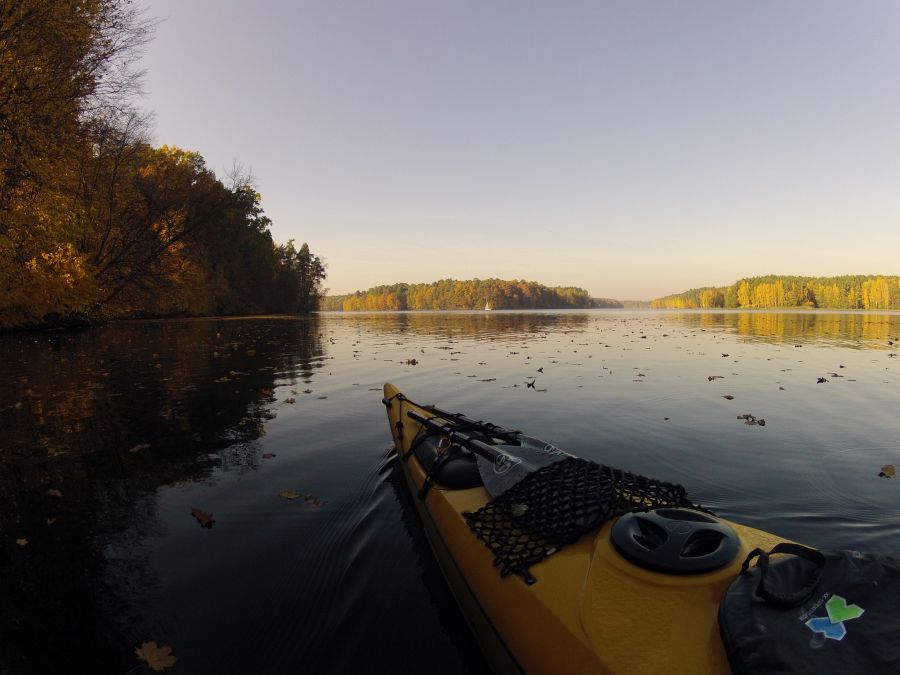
(554, 506)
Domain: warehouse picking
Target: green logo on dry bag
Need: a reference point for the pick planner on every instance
(832, 626)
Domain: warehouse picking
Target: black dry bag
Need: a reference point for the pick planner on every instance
(810, 611)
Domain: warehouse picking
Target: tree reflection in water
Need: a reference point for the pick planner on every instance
(94, 423)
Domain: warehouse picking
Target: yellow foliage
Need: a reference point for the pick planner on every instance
(55, 281)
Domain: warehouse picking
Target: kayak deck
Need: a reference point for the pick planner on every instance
(591, 611)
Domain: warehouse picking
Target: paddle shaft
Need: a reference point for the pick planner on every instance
(502, 466)
(480, 448)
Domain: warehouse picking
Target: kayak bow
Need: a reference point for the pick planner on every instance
(597, 607)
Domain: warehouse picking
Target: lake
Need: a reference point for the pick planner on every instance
(117, 444)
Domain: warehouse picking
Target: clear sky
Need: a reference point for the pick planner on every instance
(631, 148)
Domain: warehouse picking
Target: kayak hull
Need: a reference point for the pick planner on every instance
(591, 611)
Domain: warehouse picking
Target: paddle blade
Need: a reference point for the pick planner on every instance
(513, 462)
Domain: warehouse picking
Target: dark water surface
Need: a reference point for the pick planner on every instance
(110, 436)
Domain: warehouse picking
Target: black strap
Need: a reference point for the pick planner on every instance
(785, 600)
(442, 459)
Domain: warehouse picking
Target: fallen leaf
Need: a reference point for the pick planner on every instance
(888, 471)
(139, 447)
(54, 493)
(22, 542)
(50, 521)
(289, 494)
(752, 420)
(158, 658)
(203, 517)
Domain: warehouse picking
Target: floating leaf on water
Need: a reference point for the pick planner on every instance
(203, 517)
(157, 657)
(313, 501)
(887, 471)
(290, 399)
(728, 397)
(268, 455)
(289, 494)
(751, 420)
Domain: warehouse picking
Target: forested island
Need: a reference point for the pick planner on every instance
(470, 294)
(96, 222)
(842, 292)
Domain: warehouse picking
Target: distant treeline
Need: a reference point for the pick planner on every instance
(95, 222)
(844, 292)
(453, 294)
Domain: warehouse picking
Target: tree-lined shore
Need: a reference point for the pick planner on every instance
(469, 294)
(774, 291)
(96, 222)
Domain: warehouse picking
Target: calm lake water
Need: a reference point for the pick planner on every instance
(110, 436)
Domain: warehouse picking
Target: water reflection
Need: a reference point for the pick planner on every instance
(110, 436)
(462, 325)
(850, 329)
(93, 423)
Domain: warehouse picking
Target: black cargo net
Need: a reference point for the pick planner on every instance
(556, 505)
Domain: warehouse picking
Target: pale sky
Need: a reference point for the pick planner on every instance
(632, 148)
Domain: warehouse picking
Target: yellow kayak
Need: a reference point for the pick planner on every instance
(591, 605)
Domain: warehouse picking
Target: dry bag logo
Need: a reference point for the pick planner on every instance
(832, 626)
(503, 463)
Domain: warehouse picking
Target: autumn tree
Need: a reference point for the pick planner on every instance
(844, 292)
(456, 294)
(61, 61)
(94, 221)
